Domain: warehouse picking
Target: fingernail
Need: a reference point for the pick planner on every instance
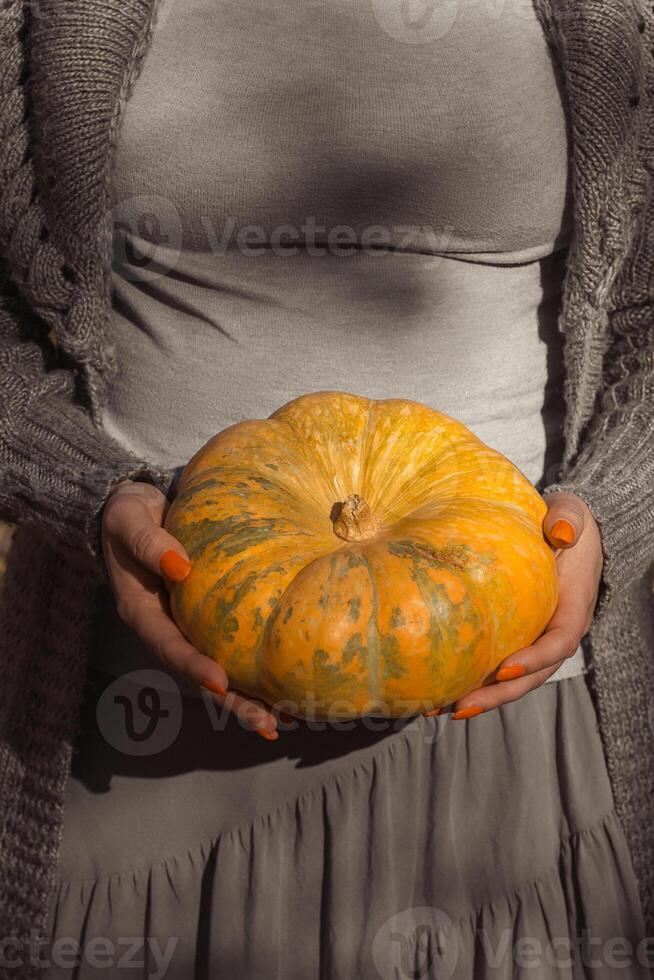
(470, 712)
(562, 532)
(510, 672)
(212, 686)
(174, 566)
(271, 736)
(432, 713)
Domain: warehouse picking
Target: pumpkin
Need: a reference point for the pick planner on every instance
(353, 556)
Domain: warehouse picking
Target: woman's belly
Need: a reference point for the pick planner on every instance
(206, 339)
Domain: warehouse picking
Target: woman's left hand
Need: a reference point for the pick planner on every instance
(579, 563)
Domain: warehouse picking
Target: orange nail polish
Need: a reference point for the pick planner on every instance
(562, 532)
(211, 686)
(510, 672)
(174, 566)
(467, 712)
(432, 713)
(271, 736)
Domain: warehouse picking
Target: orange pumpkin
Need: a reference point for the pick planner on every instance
(354, 556)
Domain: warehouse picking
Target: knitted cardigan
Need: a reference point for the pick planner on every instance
(67, 68)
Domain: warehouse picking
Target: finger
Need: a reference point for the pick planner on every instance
(132, 519)
(565, 520)
(255, 715)
(493, 695)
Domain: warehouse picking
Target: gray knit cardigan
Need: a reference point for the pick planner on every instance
(67, 68)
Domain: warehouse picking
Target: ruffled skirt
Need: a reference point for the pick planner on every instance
(193, 848)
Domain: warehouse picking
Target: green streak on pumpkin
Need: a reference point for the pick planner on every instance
(355, 608)
(373, 635)
(457, 556)
(393, 666)
(258, 619)
(247, 536)
(185, 497)
(435, 599)
(264, 636)
(232, 535)
(323, 680)
(288, 614)
(226, 623)
(355, 648)
(232, 471)
(217, 585)
(354, 560)
(397, 618)
(230, 627)
(343, 561)
(263, 482)
(445, 616)
(225, 608)
(197, 535)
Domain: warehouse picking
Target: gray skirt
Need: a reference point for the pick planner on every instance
(424, 848)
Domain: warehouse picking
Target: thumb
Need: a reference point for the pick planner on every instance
(133, 518)
(565, 519)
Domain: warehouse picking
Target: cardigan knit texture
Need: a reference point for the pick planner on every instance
(66, 72)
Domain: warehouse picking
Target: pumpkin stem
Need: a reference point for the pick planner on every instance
(354, 520)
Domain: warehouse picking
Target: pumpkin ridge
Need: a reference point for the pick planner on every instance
(214, 587)
(255, 449)
(436, 463)
(364, 455)
(318, 464)
(440, 427)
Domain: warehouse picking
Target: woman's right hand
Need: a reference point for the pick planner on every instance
(133, 543)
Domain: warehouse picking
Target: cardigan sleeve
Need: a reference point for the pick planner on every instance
(614, 470)
(57, 466)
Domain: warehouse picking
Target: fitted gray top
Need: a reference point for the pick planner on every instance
(331, 196)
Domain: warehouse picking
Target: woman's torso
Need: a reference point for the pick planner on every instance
(323, 196)
(248, 119)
